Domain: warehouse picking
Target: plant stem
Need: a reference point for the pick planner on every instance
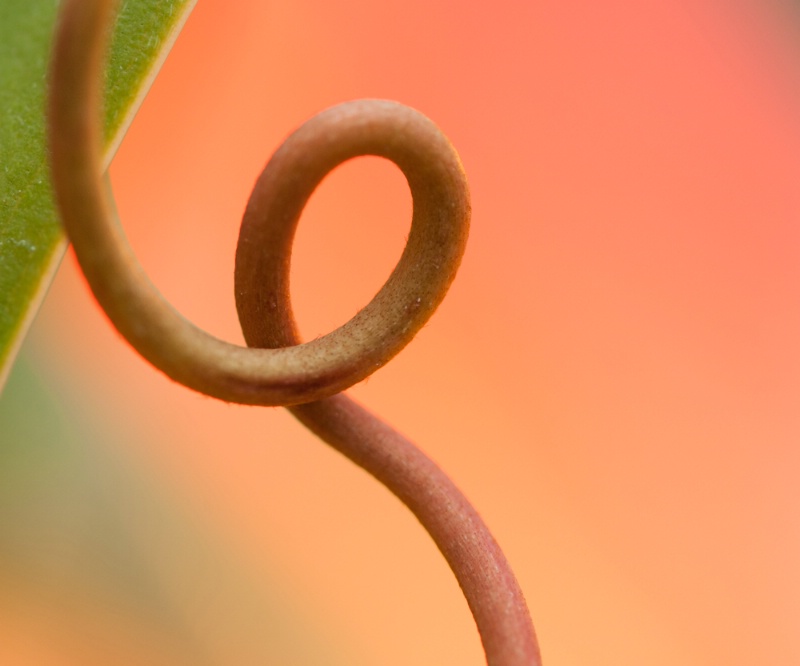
(275, 368)
(482, 571)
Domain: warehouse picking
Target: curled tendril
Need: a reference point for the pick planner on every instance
(276, 368)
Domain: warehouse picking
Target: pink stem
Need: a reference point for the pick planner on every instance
(482, 571)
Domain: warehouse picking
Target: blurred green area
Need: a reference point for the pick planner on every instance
(94, 548)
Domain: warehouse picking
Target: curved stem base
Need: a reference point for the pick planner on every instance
(482, 571)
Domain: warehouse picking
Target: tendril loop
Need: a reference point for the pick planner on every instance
(426, 268)
(285, 376)
(276, 368)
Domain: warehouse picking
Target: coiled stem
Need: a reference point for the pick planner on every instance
(276, 368)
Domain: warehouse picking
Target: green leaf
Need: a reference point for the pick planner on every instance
(31, 241)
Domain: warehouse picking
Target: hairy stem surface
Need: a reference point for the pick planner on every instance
(276, 368)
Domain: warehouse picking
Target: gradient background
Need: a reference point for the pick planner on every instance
(614, 379)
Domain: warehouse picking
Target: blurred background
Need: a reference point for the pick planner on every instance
(613, 380)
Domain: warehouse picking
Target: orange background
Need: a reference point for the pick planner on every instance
(614, 379)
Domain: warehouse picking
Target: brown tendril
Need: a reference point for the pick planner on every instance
(276, 368)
